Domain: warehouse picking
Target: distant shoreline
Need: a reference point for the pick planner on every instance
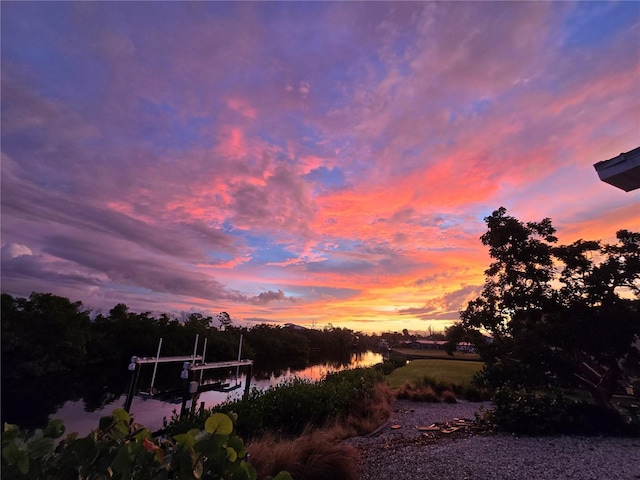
(417, 353)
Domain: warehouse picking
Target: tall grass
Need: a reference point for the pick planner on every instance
(318, 453)
(417, 393)
(368, 414)
(315, 455)
(429, 389)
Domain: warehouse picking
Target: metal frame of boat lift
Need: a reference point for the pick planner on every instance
(190, 370)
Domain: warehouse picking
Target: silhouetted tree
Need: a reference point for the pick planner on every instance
(557, 315)
(225, 320)
(41, 334)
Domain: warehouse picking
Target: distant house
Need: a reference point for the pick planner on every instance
(441, 345)
(622, 171)
(430, 344)
(294, 326)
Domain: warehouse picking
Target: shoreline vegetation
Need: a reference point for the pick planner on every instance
(299, 429)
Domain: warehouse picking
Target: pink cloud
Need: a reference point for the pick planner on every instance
(242, 107)
(232, 143)
(340, 154)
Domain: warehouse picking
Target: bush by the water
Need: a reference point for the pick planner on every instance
(296, 404)
(390, 364)
(553, 412)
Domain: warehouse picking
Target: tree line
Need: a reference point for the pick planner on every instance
(46, 333)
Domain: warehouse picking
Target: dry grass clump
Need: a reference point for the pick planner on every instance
(320, 454)
(316, 455)
(371, 412)
(425, 393)
(448, 397)
(417, 393)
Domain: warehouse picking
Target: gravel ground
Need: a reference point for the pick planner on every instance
(399, 451)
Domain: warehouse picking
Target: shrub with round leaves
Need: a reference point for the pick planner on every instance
(121, 449)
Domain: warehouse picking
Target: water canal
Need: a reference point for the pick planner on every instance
(81, 413)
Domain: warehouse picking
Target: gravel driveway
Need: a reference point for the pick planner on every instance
(400, 451)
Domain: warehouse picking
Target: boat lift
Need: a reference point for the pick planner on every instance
(193, 368)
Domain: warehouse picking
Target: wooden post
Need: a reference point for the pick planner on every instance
(204, 351)
(135, 376)
(247, 385)
(185, 396)
(185, 375)
(195, 350)
(239, 356)
(155, 367)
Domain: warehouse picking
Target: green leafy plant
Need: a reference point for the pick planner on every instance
(391, 363)
(121, 449)
(537, 412)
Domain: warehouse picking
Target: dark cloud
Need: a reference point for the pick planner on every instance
(29, 270)
(117, 260)
(446, 307)
(178, 239)
(271, 296)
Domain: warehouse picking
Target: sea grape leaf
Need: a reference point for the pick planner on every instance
(219, 423)
(10, 431)
(39, 446)
(17, 457)
(54, 429)
(125, 458)
(187, 439)
(238, 445)
(232, 455)
(187, 461)
(142, 434)
(121, 415)
(283, 476)
(106, 423)
(248, 470)
(85, 449)
(122, 419)
(210, 447)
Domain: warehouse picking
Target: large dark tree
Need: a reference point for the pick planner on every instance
(44, 333)
(555, 315)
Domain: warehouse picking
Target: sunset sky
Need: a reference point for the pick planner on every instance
(313, 163)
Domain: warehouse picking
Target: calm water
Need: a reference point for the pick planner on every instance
(150, 413)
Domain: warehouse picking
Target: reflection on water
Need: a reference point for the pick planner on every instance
(317, 371)
(72, 409)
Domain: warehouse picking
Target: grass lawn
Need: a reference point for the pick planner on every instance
(450, 371)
